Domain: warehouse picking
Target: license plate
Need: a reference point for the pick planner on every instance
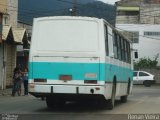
(65, 77)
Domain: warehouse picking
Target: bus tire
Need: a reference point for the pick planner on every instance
(49, 102)
(129, 86)
(111, 102)
(54, 102)
(124, 98)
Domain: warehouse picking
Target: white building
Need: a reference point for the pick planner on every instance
(146, 39)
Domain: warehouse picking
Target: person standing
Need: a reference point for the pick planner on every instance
(25, 81)
(17, 83)
(17, 77)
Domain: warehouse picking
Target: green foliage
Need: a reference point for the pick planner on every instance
(146, 63)
(100, 10)
(90, 8)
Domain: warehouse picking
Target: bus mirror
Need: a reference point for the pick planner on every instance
(136, 54)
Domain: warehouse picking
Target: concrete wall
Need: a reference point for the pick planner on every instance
(27, 26)
(12, 10)
(10, 54)
(150, 14)
(127, 19)
(3, 6)
(148, 46)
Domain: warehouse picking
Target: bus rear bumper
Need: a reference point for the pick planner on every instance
(47, 90)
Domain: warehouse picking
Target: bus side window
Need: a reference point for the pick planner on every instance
(123, 50)
(128, 52)
(119, 47)
(106, 40)
(115, 45)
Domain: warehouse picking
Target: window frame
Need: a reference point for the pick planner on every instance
(143, 75)
(106, 40)
(115, 49)
(134, 74)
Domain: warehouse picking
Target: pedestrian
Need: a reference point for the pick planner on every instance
(17, 68)
(17, 83)
(25, 81)
(17, 77)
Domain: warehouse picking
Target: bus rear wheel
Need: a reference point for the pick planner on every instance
(111, 102)
(54, 102)
(124, 98)
(49, 102)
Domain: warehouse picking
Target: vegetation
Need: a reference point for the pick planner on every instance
(146, 63)
(100, 10)
(29, 9)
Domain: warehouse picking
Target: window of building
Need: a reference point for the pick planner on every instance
(135, 37)
(127, 13)
(148, 33)
(6, 19)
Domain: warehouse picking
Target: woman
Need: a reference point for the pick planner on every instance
(17, 79)
(25, 81)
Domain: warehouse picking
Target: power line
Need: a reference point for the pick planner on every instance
(64, 1)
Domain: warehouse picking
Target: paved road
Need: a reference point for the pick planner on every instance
(143, 100)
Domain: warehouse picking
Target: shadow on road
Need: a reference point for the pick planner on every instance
(78, 107)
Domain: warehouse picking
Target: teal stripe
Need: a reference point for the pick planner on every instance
(52, 70)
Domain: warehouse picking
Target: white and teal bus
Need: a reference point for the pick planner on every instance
(79, 58)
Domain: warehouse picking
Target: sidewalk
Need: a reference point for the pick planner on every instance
(6, 92)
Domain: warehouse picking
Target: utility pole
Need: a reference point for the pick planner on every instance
(75, 8)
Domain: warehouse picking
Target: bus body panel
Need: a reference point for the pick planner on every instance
(58, 50)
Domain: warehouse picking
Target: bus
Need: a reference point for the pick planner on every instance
(79, 59)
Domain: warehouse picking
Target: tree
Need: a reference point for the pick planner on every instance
(146, 63)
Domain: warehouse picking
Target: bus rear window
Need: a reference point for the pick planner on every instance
(67, 35)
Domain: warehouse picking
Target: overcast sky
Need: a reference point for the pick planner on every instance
(109, 1)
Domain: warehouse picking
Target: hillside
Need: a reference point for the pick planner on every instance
(29, 9)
